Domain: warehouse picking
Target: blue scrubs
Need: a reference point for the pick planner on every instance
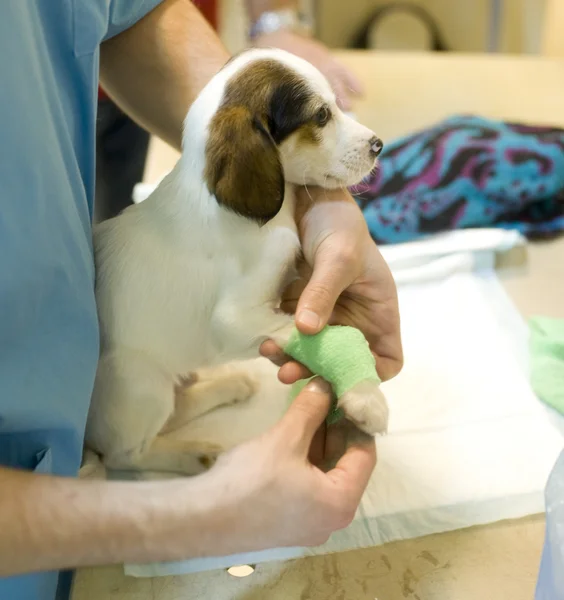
(49, 51)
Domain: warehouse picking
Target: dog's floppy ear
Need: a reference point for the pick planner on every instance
(243, 167)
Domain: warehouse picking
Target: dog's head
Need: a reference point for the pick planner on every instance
(271, 118)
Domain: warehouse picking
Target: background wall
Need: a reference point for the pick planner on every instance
(464, 23)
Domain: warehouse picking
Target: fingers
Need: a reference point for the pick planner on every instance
(317, 448)
(354, 469)
(389, 366)
(293, 371)
(330, 233)
(290, 370)
(306, 414)
(355, 457)
(340, 436)
(388, 345)
(273, 352)
(330, 278)
(335, 442)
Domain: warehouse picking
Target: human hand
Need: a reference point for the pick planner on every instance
(344, 83)
(343, 280)
(273, 495)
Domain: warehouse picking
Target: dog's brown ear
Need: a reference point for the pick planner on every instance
(243, 168)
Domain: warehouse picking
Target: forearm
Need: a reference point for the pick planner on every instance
(52, 523)
(255, 8)
(155, 69)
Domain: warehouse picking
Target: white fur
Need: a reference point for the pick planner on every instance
(183, 283)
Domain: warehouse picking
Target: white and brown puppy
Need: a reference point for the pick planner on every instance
(192, 276)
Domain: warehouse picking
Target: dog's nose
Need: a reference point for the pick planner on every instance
(376, 146)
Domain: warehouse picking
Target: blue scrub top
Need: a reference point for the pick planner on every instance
(49, 54)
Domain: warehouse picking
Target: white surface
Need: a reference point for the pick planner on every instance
(442, 255)
(417, 253)
(468, 444)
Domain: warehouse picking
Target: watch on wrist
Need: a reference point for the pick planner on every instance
(280, 20)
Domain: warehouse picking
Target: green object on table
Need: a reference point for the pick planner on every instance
(339, 354)
(546, 348)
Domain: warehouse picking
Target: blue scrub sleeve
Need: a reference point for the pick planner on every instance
(125, 13)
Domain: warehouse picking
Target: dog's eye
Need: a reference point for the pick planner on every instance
(322, 117)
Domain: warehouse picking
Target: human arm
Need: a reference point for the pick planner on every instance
(155, 69)
(344, 82)
(77, 522)
(285, 501)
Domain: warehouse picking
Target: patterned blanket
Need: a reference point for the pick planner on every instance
(467, 172)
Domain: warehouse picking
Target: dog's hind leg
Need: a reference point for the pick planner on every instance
(133, 400)
(171, 455)
(228, 384)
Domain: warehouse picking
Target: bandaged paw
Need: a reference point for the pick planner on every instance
(341, 356)
(365, 405)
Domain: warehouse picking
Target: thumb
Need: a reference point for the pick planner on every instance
(306, 414)
(315, 306)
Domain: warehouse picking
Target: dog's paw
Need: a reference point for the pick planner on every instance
(208, 455)
(365, 405)
(242, 387)
(185, 382)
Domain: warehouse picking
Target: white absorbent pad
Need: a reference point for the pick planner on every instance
(441, 255)
(468, 442)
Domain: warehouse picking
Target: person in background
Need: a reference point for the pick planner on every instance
(122, 145)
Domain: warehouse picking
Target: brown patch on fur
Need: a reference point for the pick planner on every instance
(263, 104)
(243, 168)
(255, 85)
(309, 133)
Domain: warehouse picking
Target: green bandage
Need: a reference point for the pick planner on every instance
(340, 355)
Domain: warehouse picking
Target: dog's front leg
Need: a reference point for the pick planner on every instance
(239, 330)
(249, 314)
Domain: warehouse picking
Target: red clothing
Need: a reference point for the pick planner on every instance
(207, 7)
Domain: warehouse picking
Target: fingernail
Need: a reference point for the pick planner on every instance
(309, 319)
(318, 386)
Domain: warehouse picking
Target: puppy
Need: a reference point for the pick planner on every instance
(192, 276)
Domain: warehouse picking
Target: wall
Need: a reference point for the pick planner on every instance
(465, 23)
